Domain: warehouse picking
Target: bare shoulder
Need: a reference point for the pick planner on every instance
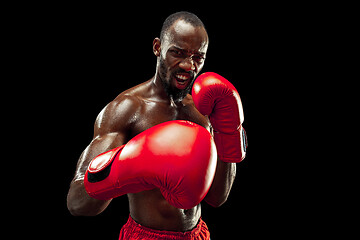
(194, 115)
(188, 100)
(119, 114)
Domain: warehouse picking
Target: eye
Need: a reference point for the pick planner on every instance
(176, 52)
(198, 59)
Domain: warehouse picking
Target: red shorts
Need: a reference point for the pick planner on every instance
(134, 231)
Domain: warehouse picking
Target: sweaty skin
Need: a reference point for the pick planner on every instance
(180, 57)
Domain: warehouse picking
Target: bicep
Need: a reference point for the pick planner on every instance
(110, 130)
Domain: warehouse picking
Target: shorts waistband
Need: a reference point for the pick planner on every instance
(133, 230)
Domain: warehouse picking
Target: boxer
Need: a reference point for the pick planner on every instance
(133, 120)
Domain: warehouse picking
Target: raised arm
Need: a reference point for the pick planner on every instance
(110, 131)
(217, 98)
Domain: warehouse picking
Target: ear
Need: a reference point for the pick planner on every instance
(157, 47)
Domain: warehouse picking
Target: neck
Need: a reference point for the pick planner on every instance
(159, 92)
(158, 88)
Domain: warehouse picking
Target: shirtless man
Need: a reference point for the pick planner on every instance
(180, 51)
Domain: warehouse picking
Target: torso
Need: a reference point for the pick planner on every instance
(149, 208)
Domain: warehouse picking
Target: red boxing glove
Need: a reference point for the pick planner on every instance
(178, 157)
(217, 98)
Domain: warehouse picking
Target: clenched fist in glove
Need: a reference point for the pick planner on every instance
(217, 98)
(178, 157)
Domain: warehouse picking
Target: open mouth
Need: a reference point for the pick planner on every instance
(182, 80)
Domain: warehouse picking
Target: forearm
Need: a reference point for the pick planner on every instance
(222, 183)
(80, 203)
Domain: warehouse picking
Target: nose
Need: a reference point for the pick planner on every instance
(187, 64)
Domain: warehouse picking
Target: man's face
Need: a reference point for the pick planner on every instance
(182, 56)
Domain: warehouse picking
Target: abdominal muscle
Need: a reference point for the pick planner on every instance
(150, 209)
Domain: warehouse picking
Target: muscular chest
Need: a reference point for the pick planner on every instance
(152, 113)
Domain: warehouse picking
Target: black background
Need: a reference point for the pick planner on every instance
(73, 60)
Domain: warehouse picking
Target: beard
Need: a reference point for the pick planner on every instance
(166, 78)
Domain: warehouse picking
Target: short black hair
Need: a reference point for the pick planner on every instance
(183, 15)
